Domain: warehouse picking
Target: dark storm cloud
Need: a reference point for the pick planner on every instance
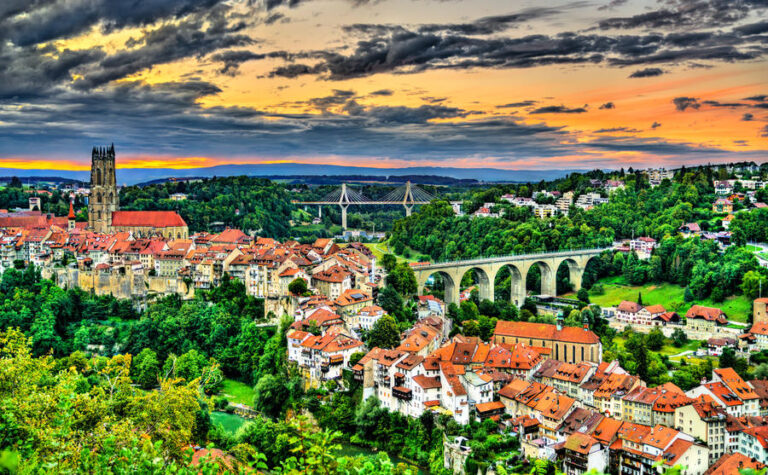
(687, 13)
(559, 110)
(496, 24)
(683, 103)
(515, 105)
(760, 98)
(647, 73)
(198, 28)
(404, 115)
(388, 48)
(28, 23)
(32, 73)
(338, 97)
(753, 28)
(166, 44)
(747, 117)
(608, 105)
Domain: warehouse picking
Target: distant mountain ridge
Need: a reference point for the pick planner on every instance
(132, 176)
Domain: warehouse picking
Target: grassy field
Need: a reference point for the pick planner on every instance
(237, 392)
(668, 349)
(230, 422)
(669, 295)
(381, 248)
(752, 248)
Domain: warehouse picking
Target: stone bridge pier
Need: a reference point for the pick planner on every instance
(487, 269)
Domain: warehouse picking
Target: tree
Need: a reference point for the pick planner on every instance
(298, 286)
(728, 358)
(145, 369)
(761, 372)
(679, 337)
(384, 333)
(388, 262)
(390, 300)
(638, 354)
(583, 295)
(640, 298)
(688, 295)
(655, 339)
(403, 279)
(751, 284)
(270, 396)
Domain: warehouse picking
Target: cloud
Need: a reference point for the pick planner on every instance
(612, 4)
(724, 104)
(339, 97)
(496, 24)
(45, 20)
(628, 130)
(166, 44)
(687, 13)
(647, 73)
(181, 29)
(753, 28)
(395, 48)
(608, 105)
(683, 103)
(764, 131)
(655, 125)
(382, 92)
(402, 114)
(760, 98)
(559, 110)
(747, 117)
(515, 105)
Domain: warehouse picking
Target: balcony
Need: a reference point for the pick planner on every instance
(402, 393)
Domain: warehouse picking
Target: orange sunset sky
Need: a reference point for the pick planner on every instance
(384, 83)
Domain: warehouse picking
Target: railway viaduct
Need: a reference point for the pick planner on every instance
(519, 265)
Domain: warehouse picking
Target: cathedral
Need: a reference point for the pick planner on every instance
(104, 215)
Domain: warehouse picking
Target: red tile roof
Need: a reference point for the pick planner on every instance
(581, 443)
(544, 331)
(152, 219)
(707, 313)
(737, 385)
(731, 463)
(490, 406)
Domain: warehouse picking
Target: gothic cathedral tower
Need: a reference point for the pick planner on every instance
(104, 198)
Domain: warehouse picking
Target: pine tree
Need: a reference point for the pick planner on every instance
(640, 298)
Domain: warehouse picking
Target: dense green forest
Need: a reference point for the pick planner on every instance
(88, 384)
(15, 196)
(247, 203)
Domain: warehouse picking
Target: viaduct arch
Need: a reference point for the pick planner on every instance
(519, 265)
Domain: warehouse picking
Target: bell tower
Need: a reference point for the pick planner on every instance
(104, 198)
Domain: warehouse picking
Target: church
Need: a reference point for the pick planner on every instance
(104, 215)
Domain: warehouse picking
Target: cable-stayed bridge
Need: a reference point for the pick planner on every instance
(408, 196)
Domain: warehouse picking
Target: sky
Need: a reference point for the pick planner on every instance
(384, 83)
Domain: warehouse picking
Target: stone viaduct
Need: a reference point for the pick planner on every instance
(519, 265)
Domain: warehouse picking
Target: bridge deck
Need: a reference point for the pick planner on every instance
(509, 258)
(360, 202)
